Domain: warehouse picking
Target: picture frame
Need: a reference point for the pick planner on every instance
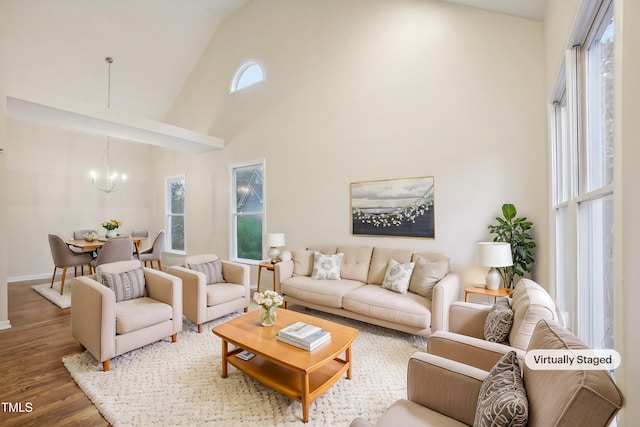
(401, 207)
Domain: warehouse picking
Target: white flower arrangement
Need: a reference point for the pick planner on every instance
(268, 299)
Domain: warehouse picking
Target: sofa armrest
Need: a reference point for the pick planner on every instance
(93, 317)
(445, 386)
(194, 292)
(445, 292)
(469, 350)
(282, 270)
(468, 318)
(360, 422)
(166, 288)
(234, 272)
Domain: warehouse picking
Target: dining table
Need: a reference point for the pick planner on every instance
(97, 243)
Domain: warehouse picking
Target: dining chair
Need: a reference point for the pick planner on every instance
(64, 257)
(142, 233)
(154, 252)
(115, 249)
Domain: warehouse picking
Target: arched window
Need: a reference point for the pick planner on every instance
(248, 74)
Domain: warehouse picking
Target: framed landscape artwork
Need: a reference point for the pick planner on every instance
(401, 207)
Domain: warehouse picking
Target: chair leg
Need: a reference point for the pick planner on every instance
(55, 267)
(174, 337)
(159, 265)
(199, 328)
(246, 309)
(64, 274)
(106, 365)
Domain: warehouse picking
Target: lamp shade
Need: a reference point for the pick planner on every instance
(494, 254)
(275, 239)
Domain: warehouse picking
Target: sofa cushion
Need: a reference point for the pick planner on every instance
(302, 262)
(138, 313)
(375, 301)
(212, 271)
(219, 293)
(380, 260)
(326, 267)
(502, 400)
(356, 261)
(328, 293)
(567, 397)
(425, 276)
(398, 276)
(126, 285)
(530, 304)
(498, 322)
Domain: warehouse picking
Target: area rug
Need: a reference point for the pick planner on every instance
(179, 384)
(53, 294)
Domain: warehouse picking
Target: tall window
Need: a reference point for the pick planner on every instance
(583, 183)
(247, 211)
(248, 74)
(175, 198)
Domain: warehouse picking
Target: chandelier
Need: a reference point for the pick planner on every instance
(112, 181)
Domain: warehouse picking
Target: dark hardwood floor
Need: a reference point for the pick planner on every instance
(31, 371)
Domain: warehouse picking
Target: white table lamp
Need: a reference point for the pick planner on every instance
(274, 241)
(494, 254)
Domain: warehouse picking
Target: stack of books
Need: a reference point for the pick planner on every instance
(303, 335)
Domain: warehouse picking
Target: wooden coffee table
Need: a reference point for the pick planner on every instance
(299, 374)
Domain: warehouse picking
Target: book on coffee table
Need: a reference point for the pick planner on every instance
(303, 335)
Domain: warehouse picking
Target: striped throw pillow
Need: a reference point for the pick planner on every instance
(212, 271)
(127, 285)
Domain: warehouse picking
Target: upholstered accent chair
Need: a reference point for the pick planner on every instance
(154, 252)
(212, 287)
(115, 249)
(63, 258)
(443, 392)
(124, 306)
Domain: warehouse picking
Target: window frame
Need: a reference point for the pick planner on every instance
(239, 73)
(233, 214)
(169, 214)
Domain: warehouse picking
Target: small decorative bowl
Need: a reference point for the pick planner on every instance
(89, 237)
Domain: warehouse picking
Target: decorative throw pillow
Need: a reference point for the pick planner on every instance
(503, 399)
(425, 276)
(212, 271)
(398, 276)
(127, 285)
(498, 322)
(326, 266)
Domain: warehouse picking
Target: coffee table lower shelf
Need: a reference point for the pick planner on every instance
(297, 385)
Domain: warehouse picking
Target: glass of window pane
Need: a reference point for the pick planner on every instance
(249, 189)
(249, 237)
(176, 225)
(176, 191)
(600, 112)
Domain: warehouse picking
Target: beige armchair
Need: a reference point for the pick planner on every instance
(443, 392)
(108, 328)
(203, 301)
(464, 341)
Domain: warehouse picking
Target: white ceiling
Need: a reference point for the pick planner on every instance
(59, 46)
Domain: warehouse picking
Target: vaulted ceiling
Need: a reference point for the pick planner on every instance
(59, 46)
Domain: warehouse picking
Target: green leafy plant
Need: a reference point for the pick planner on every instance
(515, 231)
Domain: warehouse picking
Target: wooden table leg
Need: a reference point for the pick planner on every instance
(259, 273)
(348, 360)
(137, 246)
(305, 398)
(225, 351)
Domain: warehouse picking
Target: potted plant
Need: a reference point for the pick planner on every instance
(514, 231)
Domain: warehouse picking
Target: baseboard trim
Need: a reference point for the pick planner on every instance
(30, 277)
(5, 324)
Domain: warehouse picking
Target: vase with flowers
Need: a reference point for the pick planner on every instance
(268, 301)
(112, 227)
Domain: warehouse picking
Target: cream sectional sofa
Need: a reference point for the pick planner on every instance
(358, 293)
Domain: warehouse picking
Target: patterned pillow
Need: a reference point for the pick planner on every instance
(127, 285)
(212, 271)
(397, 277)
(498, 322)
(326, 266)
(503, 400)
(425, 276)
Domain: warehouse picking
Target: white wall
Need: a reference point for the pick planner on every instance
(4, 304)
(368, 90)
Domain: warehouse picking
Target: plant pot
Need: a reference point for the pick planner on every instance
(111, 233)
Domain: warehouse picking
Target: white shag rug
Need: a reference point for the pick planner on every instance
(53, 294)
(179, 384)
